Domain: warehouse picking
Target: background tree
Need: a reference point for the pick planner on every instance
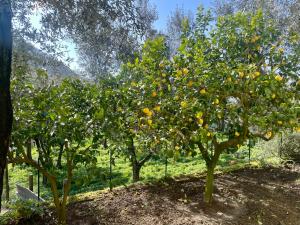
(5, 73)
(104, 32)
(177, 20)
(285, 14)
(122, 124)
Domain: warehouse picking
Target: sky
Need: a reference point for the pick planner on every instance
(166, 7)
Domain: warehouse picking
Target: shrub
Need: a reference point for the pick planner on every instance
(290, 148)
(21, 209)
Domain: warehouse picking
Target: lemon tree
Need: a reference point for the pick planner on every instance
(62, 119)
(225, 85)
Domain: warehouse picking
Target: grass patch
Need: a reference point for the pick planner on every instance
(93, 178)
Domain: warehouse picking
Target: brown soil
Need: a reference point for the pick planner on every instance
(269, 196)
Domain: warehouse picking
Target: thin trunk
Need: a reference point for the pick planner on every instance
(62, 215)
(209, 185)
(134, 162)
(166, 166)
(28, 149)
(60, 210)
(110, 170)
(58, 164)
(60, 205)
(6, 112)
(66, 190)
(136, 168)
(45, 181)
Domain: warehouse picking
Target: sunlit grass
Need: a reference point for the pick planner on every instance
(96, 177)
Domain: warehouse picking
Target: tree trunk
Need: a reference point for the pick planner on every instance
(58, 164)
(136, 168)
(28, 149)
(62, 214)
(45, 181)
(5, 73)
(6, 184)
(59, 206)
(209, 185)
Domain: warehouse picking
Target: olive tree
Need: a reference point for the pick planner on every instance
(5, 73)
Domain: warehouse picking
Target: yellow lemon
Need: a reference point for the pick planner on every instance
(217, 101)
(200, 121)
(268, 134)
(256, 74)
(241, 74)
(147, 112)
(279, 78)
(164, 75)
(177, 147)
(154, 94)
(273, 96)
(185, 71)
(255, 38)
(203, 91)
(237, 134)
(229, 79)
(149, 122)
(190, 83)
(183, 104)
(199, 115)
(179, 72)
(208, 134)
(279, 122)
(291, 122)
(157, 108)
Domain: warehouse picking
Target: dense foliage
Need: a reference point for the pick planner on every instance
(227, 84)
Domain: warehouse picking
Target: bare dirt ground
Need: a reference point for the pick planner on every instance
(269, 196)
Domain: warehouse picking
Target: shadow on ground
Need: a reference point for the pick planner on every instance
(268, 196)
